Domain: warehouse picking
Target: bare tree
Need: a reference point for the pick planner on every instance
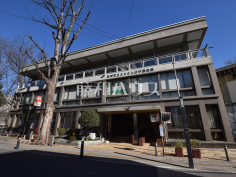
(64, 34)
(230, 61)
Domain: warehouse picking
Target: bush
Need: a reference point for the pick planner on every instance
(89, 119)
(195, 143)
(178, 145)
(61, 131)
(77, 132)
(69, 131)
(72, 138)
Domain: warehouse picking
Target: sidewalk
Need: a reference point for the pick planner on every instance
(118, 151)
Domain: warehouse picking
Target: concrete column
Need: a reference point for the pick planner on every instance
(109, 123)
(26, 122)
(61, 96)
(135, 128)
(196, 81)
(78, 114)
(57, 122)
(159, 85)
(205, 122)
(130, 88)
(223, 112)
(104, 89)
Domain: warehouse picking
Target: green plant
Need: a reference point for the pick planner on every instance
(61, 131)
(178, 145)
(89, 119)
(77, 132)
(72, 138)
(195, 143)
(69, 131)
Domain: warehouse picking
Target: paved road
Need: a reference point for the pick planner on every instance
(34, 162)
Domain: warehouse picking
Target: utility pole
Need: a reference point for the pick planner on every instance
(184, 117)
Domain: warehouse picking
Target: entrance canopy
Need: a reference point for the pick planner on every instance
(130, 109)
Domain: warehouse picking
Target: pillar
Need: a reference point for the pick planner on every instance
(205, 122)
(109, 123)
(77, 125)
(135, 128)
(223, 112)
(196, 81)
(102, 124)
(57, 123)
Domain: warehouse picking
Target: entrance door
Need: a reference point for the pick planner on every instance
(122, 124)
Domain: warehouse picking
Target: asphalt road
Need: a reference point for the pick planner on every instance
(35, 163)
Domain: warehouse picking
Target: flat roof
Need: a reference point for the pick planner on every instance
(191, 31)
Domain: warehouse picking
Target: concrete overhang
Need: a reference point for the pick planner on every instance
(130, 109)
(190, 31)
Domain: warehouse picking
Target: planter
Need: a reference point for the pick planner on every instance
(76, 142)
(179, 152)
(196, 153)
(92, 135)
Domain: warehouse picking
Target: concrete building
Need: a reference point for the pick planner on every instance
(227, 79)
(127, 79)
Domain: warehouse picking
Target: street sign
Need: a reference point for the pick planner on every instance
(155, 117)
(161, 130)
(166, 117)
(38, 101)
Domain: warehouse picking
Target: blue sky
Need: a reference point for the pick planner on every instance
(112, 15)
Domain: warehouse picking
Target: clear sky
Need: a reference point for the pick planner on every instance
(112, 15)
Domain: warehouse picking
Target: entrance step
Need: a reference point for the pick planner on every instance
(121, 139)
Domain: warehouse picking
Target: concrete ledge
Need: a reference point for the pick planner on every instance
(77, 143)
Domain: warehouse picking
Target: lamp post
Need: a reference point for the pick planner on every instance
(186, 132)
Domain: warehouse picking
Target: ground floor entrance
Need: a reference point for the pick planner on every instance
(126, 125)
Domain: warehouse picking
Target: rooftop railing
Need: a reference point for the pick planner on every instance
(126, 66)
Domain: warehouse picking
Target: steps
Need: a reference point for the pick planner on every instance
(121, 139)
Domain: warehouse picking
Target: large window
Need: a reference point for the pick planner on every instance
(67, 120)
(92, 90)
(213, 116)
(70, 93)
(144, 84)
(118, 87)
(56, 94)
(117, 99)
(193, 117)
(184, 79)
(204, 76)
(25, 98)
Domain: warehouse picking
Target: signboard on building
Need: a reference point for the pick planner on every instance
(38, 101)
(166, 117)
(155, 117)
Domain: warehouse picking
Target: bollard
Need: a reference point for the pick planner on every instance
(18, 143)
(6, 138)
(24, 139)
(52, 140)
(156, 149)
(82, 149)
(226, 153)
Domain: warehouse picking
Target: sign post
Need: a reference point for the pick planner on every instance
(38, 102)
(162, 135)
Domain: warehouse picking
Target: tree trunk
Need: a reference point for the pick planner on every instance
(43, 138)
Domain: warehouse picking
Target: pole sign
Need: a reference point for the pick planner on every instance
(161, 130)
(155, 117)
(38, 101)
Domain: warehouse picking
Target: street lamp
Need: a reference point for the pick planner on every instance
(186, 132)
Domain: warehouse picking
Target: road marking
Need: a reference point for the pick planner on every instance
(4, 147)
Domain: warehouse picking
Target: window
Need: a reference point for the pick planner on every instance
(204, 76)
(184, 79)
(208, 91)
(56, 94)
(100, 71)
(117, 99)
(91, 101)
(136, 65)
(150, 62)
(144, 84)
(92, 90)
(181, 57)
(69, 77)
(88, 73)
(61, 78)
(165, 60)
(20, 120)
(118, 87)
(144, 97)
(78, 75)
(68, 120)
(213, 116)
(193, 117)
(70, 93)
(123, 67)
(111, 69)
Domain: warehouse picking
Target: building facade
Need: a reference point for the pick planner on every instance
(227, 79)
(127, 79)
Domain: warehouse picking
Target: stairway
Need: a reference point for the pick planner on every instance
(121, 139)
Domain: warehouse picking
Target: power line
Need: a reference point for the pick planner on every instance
(44, 23)
(128, 18)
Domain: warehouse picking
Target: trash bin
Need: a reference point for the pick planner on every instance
(141, 141)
